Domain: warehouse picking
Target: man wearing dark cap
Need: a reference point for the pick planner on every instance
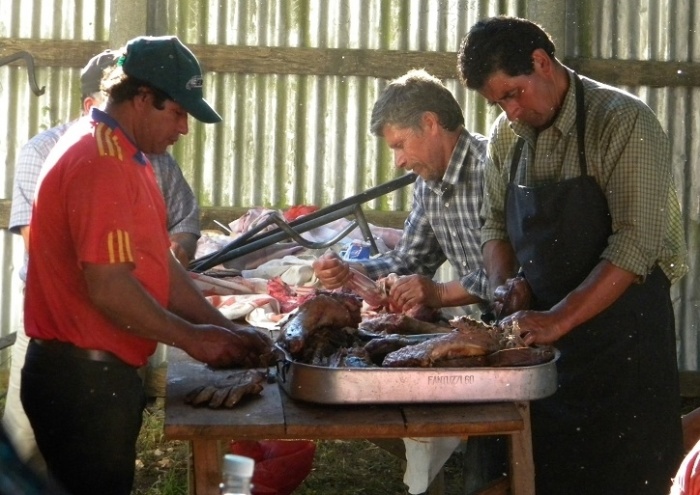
(183, 229)
(102, 286)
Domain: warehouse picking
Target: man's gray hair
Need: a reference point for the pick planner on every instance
(404, 101)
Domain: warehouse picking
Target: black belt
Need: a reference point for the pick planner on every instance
(70, 350)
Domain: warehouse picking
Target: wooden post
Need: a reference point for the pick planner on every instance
(128, 19)
(553, 16)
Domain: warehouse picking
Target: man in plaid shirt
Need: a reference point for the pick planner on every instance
(423, 124)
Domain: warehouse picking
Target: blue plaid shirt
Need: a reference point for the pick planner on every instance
(444, 223)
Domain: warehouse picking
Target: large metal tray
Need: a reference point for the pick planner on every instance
(414, 385)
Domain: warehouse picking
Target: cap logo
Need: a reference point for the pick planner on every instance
(195, 82)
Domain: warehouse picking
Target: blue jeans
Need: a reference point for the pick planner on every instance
(86, 416)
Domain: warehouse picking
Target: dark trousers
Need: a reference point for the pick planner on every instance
(86, 416)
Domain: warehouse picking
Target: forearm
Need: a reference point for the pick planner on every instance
(453, 294)
(123, 300)
(187, 301)
(24, 232)
(500, 262)
(603, 286)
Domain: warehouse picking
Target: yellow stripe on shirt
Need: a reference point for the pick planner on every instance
(107, 142)
(119, 247)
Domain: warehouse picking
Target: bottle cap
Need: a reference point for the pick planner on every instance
(239, 465)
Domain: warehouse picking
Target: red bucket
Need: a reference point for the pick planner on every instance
(280, 465)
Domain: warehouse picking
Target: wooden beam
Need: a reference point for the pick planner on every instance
(226, 214)
(53, 53)
(385, 64)
(654, 73)
(257, 60)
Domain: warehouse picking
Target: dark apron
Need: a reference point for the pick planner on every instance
(613, 426)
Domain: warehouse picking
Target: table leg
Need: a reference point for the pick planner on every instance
(206, 466)
(522, 466)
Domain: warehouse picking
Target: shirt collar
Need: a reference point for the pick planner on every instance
(101, 117)
(452, 173)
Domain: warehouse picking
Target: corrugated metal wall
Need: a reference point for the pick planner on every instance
(289, 139)
(305, 139)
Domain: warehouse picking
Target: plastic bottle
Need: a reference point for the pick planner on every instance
(237, 472)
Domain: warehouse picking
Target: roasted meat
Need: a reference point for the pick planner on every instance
(453, 345)
(320, 325)
(348, 357)
(521, 356)
(378, 348)
(508, 336)
(228, 391)
(326, 331)
(397, 323)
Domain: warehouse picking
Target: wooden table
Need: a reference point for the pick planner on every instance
(274, 415)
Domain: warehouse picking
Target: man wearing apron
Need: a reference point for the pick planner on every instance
(579, 197)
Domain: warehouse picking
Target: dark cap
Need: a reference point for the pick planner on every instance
(91, 74)
(168, 65)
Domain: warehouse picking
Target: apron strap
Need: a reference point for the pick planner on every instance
(516, 158)
(581, 126)
(580, 134)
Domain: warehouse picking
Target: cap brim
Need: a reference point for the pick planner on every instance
(202, 111)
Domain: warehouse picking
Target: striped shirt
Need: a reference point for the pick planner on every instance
(444, 223)
(629, 156)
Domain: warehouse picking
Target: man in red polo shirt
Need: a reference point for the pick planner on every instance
(102, 286)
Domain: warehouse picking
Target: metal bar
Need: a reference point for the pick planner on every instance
(268, 239)
(343, 208)
(366, 231)
(29, 60)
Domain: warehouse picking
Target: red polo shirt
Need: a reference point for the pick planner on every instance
(97, 202)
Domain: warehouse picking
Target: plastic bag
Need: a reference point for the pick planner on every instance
(280, 465)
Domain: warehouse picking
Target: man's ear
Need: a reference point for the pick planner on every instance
(541, 61)
(88, 103)
(143, 98)
(430, 122)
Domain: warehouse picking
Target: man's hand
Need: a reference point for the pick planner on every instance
(537, 327)
(240, 347)
(512, 296)
(180, 254)
(183, 245)
(331, 271)
(409, 291)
